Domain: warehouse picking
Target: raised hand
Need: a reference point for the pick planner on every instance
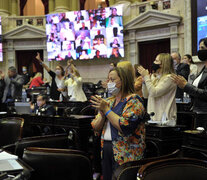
(38, 57)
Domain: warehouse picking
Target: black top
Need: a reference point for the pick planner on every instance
(199, 94)
(182, 70)
(54, 93)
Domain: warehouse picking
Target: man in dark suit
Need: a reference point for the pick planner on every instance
(42, 108)
(181, 69)
(13, 86)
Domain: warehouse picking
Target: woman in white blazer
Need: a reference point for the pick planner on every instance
(160, 89)
(74, 86)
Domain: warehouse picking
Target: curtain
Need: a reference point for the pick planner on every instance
(107, 3)
(46, 5)
(22, 4)
(27, 58)
(82, 4)
(150, 49)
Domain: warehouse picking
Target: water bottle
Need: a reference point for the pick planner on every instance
(24, 95)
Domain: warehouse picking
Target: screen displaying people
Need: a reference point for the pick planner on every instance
(1, 55)
(83, 34)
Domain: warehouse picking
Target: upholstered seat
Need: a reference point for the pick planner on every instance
(129, 170)
(174, 169)
(47, 141)
(54, 164)
(10, 130)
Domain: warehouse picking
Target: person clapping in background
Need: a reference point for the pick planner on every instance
(74, 84)
(160, 89)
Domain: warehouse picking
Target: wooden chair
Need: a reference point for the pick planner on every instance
(129, 170)
(174, 169)
(53, 164)
(10, 130)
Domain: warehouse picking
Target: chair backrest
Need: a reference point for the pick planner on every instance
(47, 141)
(53, 164)
(174, 169)
(10, 130)
(129, 170)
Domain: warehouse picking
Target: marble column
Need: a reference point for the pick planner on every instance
(132, 47)
(74, 5)
(174, 38)
(187, 28)
(11, 61)
(61, 5)
(4, 7)
(14, 7)
(51, 6)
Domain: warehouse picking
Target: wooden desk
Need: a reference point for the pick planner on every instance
(161, 140)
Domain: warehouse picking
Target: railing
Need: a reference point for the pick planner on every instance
(12, 22)
(137, 8)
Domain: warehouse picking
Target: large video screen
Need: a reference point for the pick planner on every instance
(201, 20)
(86, 34)
(1, 53)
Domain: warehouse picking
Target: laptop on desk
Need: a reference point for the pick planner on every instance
(22, 107)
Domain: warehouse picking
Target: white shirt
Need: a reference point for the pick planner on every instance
(197, 80)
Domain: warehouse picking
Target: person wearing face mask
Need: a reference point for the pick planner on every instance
(160, 89)
(120, 119)
(74, 85)
(181, 69)
(57, 89)
(198, 89)
(25, 74)
(41, 108)
(187, 58)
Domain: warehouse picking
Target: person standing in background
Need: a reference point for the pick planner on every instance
(138, 81)
(74, 85)
(187, 58)
(2, 86)
(56, 90)
(25, 75)
(160, 90)
(181, 69)
(197, 90)
(13, 86)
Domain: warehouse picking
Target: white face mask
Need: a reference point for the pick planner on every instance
(58, 72)
(112, 89)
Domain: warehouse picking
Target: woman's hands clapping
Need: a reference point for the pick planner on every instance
(99, 103)
(142, 71)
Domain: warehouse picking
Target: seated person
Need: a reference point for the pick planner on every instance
(36, 81)
(41, 108)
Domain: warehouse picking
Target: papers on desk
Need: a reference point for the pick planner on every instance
(10, 165)
(7, 156)
(8, 162)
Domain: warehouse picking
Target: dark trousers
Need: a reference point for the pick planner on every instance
(108, 162)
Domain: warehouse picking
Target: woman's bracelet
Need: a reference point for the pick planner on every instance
(108, 112)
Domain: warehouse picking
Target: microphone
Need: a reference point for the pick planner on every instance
(147, 116)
